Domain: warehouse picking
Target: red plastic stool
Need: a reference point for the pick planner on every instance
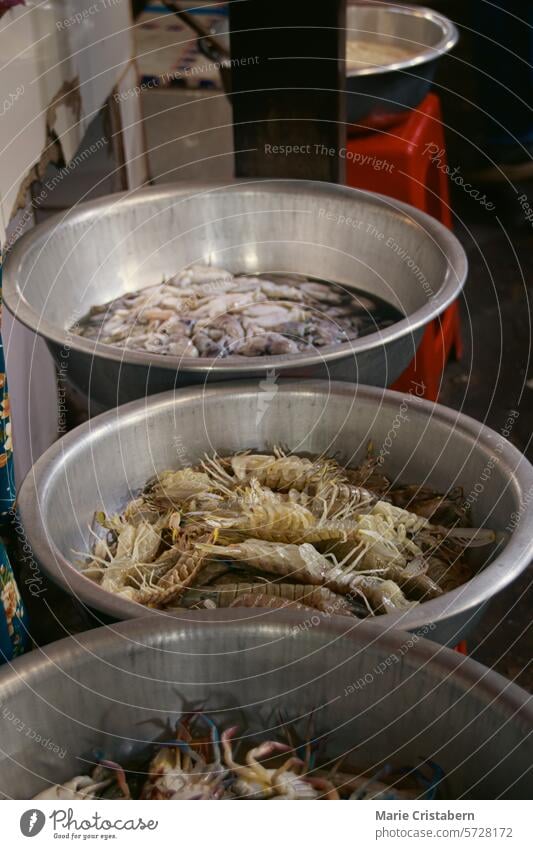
(399, 163)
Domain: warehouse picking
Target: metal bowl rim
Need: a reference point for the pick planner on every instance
(147, 634)
(445, 44)
(505, 567)
(444, 239)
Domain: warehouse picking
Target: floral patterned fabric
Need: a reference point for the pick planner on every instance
(7, 475)
(7, 483)
(13, 631)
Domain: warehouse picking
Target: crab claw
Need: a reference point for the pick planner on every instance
(120, 777)
(226, 741)
(289, 764)
(264, 750)
(230, 733)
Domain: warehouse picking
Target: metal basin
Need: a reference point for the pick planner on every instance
(120, 243)
(379, 695)
(105, 462)
(379, 96)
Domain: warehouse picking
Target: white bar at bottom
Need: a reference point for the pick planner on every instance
(250, 824)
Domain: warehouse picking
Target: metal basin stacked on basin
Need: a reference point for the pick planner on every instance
(120, 243)
(380, 96)
(105, 462)
(376, 695)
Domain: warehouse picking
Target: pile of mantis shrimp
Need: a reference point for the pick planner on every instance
(280, 530)
(200, 763)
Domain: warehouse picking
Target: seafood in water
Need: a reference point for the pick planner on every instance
(282, 530)
(208, 312)
(199, 763)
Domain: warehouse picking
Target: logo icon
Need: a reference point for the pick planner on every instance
(32, 822)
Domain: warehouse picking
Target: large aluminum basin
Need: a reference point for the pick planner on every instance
(120, 243)
(105, 462)
(378, 695)
(379, 96)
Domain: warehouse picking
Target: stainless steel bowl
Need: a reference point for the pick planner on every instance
(379, 96)
(120, 243)
(378, 695)
(105, 462)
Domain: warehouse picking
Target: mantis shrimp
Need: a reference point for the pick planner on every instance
(285, 530)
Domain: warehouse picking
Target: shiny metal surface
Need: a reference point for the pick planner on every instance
(424, 32)
(380, 96)
(383, 93)
(120, 243)
(115, 689)
(105, 462)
